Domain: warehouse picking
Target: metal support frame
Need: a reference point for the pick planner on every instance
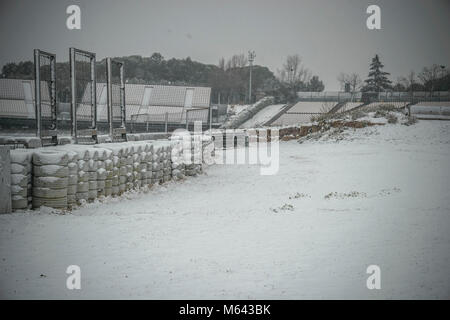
(37, 95)
(73, 107)
(122, 129)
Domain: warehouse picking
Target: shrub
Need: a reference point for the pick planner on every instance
(392, 118)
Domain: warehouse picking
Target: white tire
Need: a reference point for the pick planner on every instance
(83, 165)
(20, 169)
(21, 156)
(42, 158)
(101, 174)
(82, 187)
(19, 191)
(108, 184)
(72, 189)
(49, 193)
(101, 184)
(19, 202)
(92, 165)
(50, 182)
(71, 199)
(72, 179)
(93, 185)
(82, 196)
(73, 167)
(108, 192)
(58, 203)
(83, 176)
(51, 171)
(92, 194)
(92, 175)
(19, 179)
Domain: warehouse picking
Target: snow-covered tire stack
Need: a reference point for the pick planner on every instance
(82, 194)
(72, 181)
(167, 164)
(129, 167)
(50, 180)
(109, 166)
(194, 166)
(149, 160)
(177, 160)
(21, 169)
(143, 168)
(92, 175)
(137, 177)
(102, 173)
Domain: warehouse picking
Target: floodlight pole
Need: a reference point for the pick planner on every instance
(109, 97)
(37, 92)
(251, 58)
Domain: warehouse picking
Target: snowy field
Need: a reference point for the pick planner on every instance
(379, 197)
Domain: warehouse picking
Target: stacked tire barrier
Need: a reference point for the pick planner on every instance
(72, 181)
(50, 179)
(63, 176)
(21, 178)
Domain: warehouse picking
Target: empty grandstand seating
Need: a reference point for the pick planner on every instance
(431, 110)
(150, 103)
(289, 119)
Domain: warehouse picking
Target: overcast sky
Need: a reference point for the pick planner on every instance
(331, 36)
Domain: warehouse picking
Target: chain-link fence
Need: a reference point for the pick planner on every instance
(83, 91)
(45, 97)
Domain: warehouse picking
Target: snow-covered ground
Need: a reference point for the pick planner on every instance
(310, 231)
(263, 116)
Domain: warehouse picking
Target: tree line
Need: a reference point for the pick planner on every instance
(432, 78)
(229, 79)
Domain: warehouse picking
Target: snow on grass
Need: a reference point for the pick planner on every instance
(233, 233)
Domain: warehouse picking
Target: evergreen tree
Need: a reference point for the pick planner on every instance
(377, 80)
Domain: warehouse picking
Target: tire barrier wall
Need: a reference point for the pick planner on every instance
(68, 175)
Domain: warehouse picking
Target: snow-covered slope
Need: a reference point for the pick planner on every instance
(263, 116)
(309, 231)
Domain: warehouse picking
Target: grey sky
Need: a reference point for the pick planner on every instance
(331, 36)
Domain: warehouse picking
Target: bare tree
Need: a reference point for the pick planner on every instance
(222, 63)
(429, 75)
(293, 70)
(353, 80)
(237, 61)
(409, 81)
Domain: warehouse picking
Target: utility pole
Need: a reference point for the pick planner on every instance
(251, 58)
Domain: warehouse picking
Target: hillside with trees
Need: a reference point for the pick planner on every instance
(229, 79)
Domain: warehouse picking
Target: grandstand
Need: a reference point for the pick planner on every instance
(150, 103)
(431, 110)
(147, 104)
(302, 111)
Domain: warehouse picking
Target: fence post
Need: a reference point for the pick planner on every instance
(109, 97)
(37, 93)
(210, 119)
(166, 120)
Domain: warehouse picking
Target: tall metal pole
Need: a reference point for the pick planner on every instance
(73, 106)
(93, 94)
(37, 92)
(251, 58)
(109, 97)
